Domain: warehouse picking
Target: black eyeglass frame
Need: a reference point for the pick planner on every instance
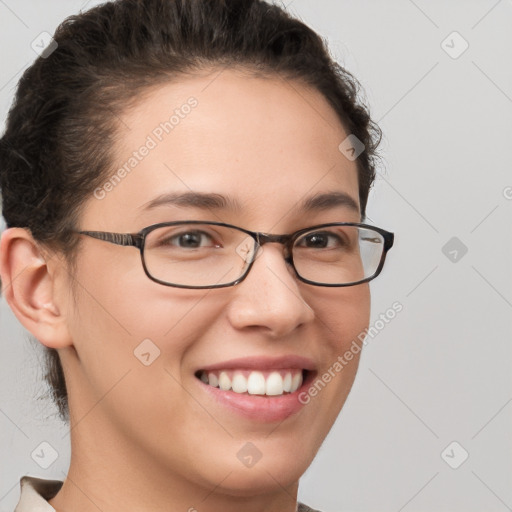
(138, 240)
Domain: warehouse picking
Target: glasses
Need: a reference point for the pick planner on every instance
(197, 254)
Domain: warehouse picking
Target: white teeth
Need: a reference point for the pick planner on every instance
(239, 383)
(275, 384)
(287, 382)
(256, 384)
(296, 382)
(212, 380)
(224, 381)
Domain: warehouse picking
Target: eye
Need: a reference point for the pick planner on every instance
(192, 239)
(322, 240)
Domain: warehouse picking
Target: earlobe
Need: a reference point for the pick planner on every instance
(29, 288)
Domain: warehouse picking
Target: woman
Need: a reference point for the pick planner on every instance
(184, 185)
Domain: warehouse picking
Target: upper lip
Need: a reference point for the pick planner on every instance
(263, 363)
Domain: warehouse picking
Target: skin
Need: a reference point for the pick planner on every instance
(144, 437)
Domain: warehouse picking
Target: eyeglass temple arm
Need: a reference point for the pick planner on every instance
(116, 238)
(389, 239)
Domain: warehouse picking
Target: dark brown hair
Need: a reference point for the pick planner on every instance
(60, 129)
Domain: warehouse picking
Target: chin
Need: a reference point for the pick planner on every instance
(257, 481)
(277, 468)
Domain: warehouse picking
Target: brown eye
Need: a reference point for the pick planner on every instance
(189, 239)
(322, 240)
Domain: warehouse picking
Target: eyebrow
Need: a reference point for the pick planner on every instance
(214, 201)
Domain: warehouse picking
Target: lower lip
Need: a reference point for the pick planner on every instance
(265, 409)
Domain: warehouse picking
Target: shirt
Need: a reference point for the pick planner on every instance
(35, 493)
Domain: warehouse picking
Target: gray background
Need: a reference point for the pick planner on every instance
(441, 370)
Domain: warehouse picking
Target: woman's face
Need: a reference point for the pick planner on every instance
(132, 375)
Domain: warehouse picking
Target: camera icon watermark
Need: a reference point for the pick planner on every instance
(507, 193)
(454, 455)
(249, 455)
(454, 45)
(44, 455)
(44, 45)
(147, 352)
(246, 249)
(454, 249)
(351, 147)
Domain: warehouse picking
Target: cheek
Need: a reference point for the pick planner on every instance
(116, 331)
(120, 299)
(131, 349)
(344, 313)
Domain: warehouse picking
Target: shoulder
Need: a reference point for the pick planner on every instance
(35, 493)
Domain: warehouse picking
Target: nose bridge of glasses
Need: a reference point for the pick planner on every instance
(285, 240)
(265, 238)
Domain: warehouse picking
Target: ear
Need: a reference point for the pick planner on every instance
(29, 287)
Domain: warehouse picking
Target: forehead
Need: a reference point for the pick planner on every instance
(268, 143)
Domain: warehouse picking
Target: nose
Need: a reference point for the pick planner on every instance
(269, 297)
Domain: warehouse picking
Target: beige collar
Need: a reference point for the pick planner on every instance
(35, 493)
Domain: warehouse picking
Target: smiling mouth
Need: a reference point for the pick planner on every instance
(276, 382)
